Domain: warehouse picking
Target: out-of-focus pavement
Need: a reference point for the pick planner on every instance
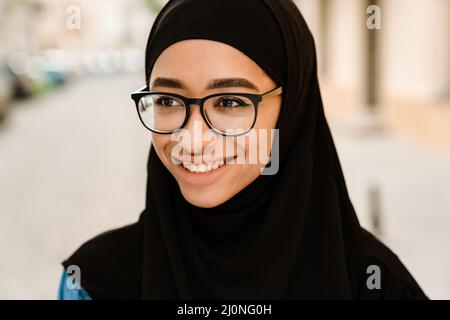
(414, 185)
(73, 164)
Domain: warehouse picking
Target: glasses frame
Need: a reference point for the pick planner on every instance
(188, 102)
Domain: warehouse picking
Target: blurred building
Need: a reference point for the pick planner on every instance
(75, 36)
(401, 71)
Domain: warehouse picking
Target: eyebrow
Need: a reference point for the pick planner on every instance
(214, 84)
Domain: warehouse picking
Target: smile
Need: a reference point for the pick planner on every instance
(206, 167)
(202, 167)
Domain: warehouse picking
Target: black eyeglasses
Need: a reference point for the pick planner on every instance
(229, 114)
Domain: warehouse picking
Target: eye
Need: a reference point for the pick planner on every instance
(166, 101)
(230, 102)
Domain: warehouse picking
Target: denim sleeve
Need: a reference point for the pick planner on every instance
(65, 292)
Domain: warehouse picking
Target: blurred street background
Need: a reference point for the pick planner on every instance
(73, 153)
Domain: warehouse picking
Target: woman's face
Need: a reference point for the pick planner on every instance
(197, 68)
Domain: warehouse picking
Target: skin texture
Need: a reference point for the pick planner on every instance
(195, 63)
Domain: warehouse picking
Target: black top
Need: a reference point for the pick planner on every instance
(291, 235)
(110, 258)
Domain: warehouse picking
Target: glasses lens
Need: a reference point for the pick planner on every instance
(230, 113)
(162, 112)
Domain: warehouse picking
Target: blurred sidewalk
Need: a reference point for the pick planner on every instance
(414, 186)
(73, 164)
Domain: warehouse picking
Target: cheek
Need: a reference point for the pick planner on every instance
(253, 153)
(264, 131)
(268, 115)
(162, 145)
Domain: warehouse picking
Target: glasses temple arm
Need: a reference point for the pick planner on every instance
(274, 92)
(144, 88)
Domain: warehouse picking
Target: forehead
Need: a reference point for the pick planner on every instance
(204, 58)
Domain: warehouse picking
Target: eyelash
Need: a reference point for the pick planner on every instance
(238, 101)
(233, 99)
(160, 99)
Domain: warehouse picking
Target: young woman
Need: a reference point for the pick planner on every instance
(218, 228)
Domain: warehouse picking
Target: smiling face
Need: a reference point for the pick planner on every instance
(197, 68)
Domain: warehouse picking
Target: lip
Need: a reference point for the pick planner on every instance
(204, 178)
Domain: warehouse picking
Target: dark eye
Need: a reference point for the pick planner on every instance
(167, 101)
(230, 102)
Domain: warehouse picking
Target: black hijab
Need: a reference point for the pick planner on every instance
(290, 235)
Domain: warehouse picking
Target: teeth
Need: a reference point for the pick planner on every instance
(202, 167)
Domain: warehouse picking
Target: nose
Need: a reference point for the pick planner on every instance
(193, 140)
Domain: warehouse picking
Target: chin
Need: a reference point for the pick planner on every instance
(206, 199)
